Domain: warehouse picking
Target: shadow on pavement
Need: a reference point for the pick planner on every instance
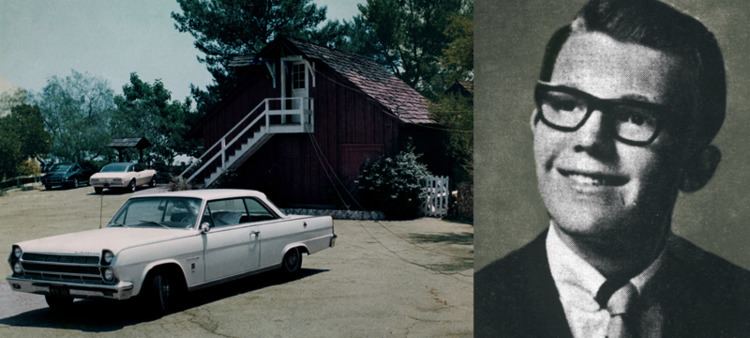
(464, 238)
(123, 191)
(106, 316)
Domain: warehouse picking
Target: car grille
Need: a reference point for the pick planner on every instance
(88, 260)
(106, 180)
(55, 180)
(65, 268)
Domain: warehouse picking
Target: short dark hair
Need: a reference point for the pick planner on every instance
(659, 26)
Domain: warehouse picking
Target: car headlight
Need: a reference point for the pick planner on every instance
(107, 257)
(108, 274)
(18, 268)
(17, 252)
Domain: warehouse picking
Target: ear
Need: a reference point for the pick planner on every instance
(699, 169)
(534, 119)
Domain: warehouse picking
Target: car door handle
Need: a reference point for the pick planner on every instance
(304, 224)
(254, 234)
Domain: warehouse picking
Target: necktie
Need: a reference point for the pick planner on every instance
(621, 308)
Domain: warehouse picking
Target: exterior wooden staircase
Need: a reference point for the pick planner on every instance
(271, 116)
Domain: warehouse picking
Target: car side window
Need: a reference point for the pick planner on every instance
(206, 218)
(228, 212)
(257, 211)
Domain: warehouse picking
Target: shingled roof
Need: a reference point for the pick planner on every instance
(372, 79)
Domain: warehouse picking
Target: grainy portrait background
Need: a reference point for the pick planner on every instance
(509, 41)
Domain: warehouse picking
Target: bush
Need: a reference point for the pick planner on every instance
(29, 167)
(392, 184)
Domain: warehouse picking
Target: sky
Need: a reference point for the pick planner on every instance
(107, 39)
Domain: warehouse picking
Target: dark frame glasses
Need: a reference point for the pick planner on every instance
(567, 109)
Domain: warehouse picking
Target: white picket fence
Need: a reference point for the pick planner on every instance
(436, 189)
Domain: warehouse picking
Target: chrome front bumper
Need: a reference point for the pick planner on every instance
(108, 184)
(119, 291)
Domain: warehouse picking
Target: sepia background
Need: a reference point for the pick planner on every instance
(509, 42)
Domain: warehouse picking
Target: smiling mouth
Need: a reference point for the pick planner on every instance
(593, 179)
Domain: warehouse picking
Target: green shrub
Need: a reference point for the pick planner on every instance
(29, 167)
(392, 184)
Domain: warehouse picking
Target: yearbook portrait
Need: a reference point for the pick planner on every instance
(610, 169)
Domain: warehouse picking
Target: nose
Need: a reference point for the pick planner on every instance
(594, 136)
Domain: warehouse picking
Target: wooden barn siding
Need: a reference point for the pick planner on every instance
(254, 90)
(287, 169)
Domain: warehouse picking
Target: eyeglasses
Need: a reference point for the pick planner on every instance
(567, 109)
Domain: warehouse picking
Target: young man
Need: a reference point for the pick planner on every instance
(630, 96)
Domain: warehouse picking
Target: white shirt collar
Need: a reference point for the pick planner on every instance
(577, 281)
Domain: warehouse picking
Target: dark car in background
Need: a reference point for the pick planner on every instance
(70, 175)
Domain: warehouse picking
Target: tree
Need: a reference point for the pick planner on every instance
(455, 113)
(76, 110)
(454, 110)
(22, 136)
(147, 110)
(408, 36)
(28, 126)
(224, 29)
(9, 99)
(10, 150)
(457, 59)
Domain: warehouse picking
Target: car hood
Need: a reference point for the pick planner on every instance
(94, 241)
(114, 174)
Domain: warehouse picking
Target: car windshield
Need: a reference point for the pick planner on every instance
(164, 212)
(115, 167)
(59, 168)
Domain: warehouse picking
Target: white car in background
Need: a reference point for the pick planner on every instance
(122, 175)
(159, 246)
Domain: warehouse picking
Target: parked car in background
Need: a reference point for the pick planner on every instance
(122, 175)
(70, 175)
(159, 246)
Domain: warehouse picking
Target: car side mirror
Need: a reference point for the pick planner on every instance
(204, 227)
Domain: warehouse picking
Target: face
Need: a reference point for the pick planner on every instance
(593, 185)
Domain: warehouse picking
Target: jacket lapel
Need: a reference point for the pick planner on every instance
(547, 316)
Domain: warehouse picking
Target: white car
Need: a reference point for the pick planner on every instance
(122, 175)
(158, 246)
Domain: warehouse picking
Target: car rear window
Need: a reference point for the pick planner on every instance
(115, 167)
(59, 168)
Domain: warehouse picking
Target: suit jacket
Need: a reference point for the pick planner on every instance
(701, 295)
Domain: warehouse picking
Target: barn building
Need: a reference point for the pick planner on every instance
(304, 120)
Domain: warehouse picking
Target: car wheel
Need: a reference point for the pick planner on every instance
(47, 187)
(58, 303)
(98, 190)
(131, 186)
(292, 262)
(159, 294)
(152, 183)
(75, 183)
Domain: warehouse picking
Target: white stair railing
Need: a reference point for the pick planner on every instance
(275, 118)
